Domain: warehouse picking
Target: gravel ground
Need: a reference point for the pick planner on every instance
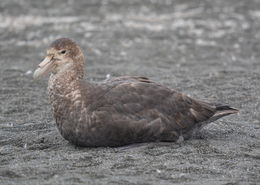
(208, 49)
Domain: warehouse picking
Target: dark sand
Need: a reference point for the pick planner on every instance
(209, 49)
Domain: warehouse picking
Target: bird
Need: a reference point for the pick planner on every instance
(119, 110)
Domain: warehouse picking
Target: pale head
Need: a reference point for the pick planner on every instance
(63, 55)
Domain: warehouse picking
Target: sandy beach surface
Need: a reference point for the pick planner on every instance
(208, 49)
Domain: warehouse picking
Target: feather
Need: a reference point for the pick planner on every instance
(120, 110)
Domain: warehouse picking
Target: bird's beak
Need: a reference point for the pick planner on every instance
(44, 67)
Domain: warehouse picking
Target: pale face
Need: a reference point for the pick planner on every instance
(55, 61)
(62, 55)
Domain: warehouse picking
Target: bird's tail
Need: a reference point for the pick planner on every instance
(220, 111)
(223, 110)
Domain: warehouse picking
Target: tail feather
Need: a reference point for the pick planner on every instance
(218, 111)
(223, 110)
(225, 107)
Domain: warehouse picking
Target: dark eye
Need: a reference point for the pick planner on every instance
(63, 52)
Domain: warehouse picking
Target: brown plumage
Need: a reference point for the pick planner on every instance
(118, 111)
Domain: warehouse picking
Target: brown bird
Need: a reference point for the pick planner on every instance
(118, 111)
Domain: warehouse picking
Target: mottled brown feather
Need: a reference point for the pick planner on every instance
(122, 110)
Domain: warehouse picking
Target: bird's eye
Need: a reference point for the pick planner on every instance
(63, 52)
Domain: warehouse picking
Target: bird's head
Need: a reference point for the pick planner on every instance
(63, 55)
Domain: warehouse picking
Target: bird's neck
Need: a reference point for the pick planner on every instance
(68, 103)
(65, 86)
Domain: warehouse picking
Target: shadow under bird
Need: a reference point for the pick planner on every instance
(117, 111)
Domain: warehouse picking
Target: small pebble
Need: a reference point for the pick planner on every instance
(28, 72)
(108, 76)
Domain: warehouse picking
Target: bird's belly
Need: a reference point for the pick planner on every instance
(82, 128)
(82, 134)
